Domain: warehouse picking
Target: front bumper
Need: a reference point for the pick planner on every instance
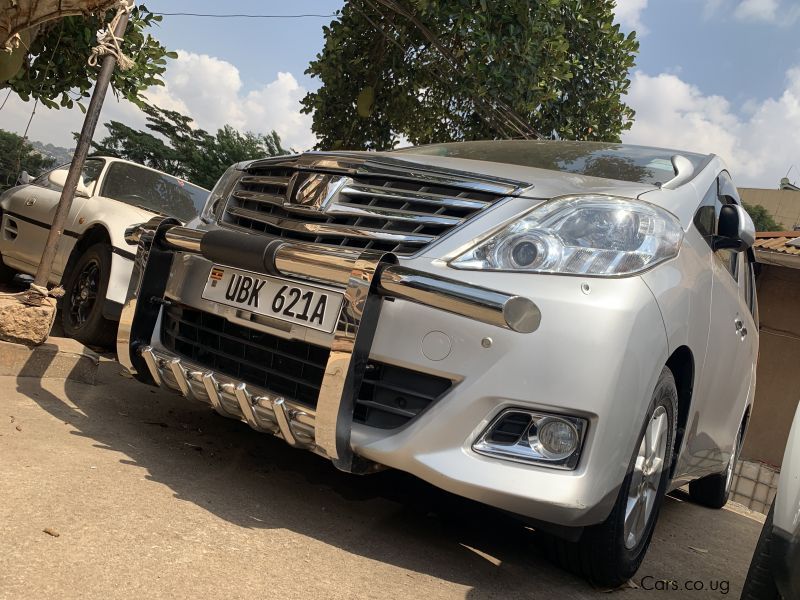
(565, 366)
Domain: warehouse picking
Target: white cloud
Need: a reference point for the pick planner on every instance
(208, 89)
(57, 126)
(760, 10)
(757, 144)
(776, 12)
(629, 14)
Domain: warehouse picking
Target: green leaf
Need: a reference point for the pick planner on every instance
(366, 97)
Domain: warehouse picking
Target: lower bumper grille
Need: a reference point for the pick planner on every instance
(389, 396)
(291, 368)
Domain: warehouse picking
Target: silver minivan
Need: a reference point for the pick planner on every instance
(563, 330)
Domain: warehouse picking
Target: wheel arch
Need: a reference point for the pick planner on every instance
(682, 365)
(96, 234)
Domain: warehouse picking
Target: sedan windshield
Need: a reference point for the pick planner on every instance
(623, 162)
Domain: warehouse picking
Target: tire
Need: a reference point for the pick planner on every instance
(6, 273)
(608, 554)
(85, 293)
(759, 584)
(714, 490)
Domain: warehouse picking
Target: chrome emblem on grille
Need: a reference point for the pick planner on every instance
(314, 191)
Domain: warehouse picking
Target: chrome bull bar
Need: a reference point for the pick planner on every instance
(261, 410)
(366, 277)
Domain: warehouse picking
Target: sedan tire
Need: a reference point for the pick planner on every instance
(85, 293)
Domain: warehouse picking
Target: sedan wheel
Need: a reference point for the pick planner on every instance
(83, 296)
(82, 305)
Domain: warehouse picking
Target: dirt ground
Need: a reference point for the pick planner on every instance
(123, 491)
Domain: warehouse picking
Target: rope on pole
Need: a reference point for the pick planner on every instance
(108, 43)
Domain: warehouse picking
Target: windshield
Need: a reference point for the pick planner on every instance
(154, 191)
(638, 164)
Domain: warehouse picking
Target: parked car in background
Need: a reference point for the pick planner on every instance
(775, 569)
(563, 330)
(93, 262)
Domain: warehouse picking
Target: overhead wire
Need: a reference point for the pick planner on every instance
(241, 15)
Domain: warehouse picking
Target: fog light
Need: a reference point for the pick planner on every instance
(528, 436)
(556, 438)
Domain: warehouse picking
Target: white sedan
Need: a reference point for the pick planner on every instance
(93, 261)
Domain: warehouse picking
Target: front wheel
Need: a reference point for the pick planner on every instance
(6, 273)
(84, 295)
(608, 554)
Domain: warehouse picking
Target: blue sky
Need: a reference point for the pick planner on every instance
(718, 76)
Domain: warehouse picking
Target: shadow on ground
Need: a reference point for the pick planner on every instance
(255, 481)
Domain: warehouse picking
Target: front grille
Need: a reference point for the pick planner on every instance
(290, 368)
(389, 396)
(366, 212)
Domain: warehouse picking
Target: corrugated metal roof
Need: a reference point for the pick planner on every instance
(783, 242)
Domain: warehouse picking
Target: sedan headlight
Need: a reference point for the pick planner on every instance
(588, 235)
(221, 191)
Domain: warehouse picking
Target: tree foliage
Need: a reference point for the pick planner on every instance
(560, 65)
(17, 155)
(762, 219)
(174, 146)
(56, 72)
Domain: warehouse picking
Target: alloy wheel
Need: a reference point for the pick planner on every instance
(646, 478)
(83, 294)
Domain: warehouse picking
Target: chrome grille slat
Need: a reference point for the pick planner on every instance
(265, 180)
(327, 229)
(259, 197)
(355, 207)
(365, 190)
(391, 214)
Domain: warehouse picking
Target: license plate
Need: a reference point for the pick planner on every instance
(310, 306)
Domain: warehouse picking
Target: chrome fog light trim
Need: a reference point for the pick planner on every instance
(514, 434)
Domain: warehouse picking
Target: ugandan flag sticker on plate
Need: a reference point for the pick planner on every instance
(216, 275)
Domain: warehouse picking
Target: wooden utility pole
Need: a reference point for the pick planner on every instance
(79, 158)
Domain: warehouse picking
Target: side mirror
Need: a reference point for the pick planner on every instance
(59, 179)
(735, 229)
(24, 178)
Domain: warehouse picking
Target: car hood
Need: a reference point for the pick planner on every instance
(534, 183)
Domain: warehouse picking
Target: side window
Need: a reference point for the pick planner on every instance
(153, 191)
(90, 173)
(705, 219)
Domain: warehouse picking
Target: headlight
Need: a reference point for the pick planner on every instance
(591, 235)
(217, 197)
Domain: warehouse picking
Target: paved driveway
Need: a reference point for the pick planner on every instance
(151, 496)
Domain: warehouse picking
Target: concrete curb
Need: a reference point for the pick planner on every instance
(61, 358)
